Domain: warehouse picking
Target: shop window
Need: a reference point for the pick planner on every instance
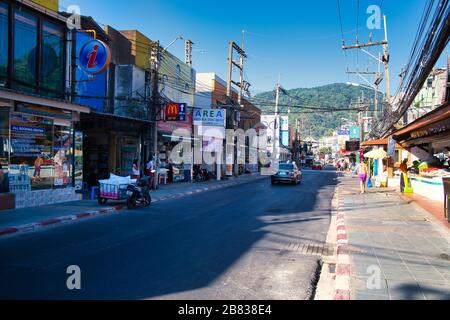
(31, 163)
(25, 44)
(62, 155)
(4, 149)
(52, 59)
(4, 38)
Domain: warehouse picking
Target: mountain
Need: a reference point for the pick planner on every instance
(317, 123)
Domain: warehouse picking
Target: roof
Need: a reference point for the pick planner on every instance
(378, 142)
(433, 117)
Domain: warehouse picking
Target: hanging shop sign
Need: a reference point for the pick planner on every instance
(352, 146)
(176, 112)
(94, 57)
(391, 147)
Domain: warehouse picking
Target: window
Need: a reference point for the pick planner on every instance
(4, 149)
(52, 59)
(62, 156)
(4, 38)
(25, 46)
(31, 162)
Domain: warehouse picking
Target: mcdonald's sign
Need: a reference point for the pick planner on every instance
(175, 112)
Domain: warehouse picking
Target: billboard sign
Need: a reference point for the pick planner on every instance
(94, 57)
(352, 146)
(176, 112)
(343, 132)
(355, 132)
(210, 117)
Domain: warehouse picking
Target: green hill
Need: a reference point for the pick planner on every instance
(313, 122)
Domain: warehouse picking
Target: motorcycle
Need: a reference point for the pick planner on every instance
(138, 194)
(200, 175)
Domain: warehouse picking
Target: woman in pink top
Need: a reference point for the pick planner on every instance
(362, 175)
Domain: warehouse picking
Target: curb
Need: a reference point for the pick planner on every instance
(343, 267)
(32, 227)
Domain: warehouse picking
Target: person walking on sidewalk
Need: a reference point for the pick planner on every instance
(362, 176)
(404, 178)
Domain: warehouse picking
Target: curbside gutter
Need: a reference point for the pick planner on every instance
(51, 222)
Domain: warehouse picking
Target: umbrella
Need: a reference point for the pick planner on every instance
(376, 154)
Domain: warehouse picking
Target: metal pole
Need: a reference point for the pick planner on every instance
(386, 62)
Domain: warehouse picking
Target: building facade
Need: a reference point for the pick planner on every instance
(40, 144)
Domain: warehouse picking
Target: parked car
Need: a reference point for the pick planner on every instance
(287, 172)
(317, 166)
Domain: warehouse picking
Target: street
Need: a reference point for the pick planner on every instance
(236, 243)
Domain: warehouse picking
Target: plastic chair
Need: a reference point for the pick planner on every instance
(93, 192)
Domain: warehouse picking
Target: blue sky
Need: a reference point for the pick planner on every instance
(301, 40)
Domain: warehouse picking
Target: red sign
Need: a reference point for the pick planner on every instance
(175, 112)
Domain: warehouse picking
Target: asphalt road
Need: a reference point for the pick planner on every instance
(225, 244)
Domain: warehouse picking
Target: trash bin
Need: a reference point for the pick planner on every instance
(446, 182)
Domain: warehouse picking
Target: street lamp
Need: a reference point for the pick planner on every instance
(175, 40)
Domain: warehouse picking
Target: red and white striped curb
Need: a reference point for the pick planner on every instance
(31, 227)
(343, 267)
(58, 220)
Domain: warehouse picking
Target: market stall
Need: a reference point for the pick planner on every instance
(428, 139)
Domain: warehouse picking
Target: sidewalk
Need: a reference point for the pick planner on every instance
(32, 219)
(388, 249)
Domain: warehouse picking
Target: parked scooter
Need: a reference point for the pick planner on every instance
(200, 174)
(138, 194)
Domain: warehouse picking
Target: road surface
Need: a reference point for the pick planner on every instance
(234, 243)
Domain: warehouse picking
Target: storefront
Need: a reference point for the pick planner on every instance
(182, 172)
(40, 152)
(428, 139)
(111, 144)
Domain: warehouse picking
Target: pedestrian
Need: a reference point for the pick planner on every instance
(362, 175)
(170, 171)
(151, 171)
(37, 167)
(150, 167)
(135, 169)
(404, 177)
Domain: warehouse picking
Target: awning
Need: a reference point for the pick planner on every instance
(435, 123)
(378, 142)
(46, 102)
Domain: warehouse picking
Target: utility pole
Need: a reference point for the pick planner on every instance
(234, 112)
(155, 99)
(276, 124)
(385, 59)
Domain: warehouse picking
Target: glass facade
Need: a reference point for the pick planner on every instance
(38, 52)
(62, 155)
(52, 59)
(25, 46)
(4, 38)
(4, 149)
(37, 152)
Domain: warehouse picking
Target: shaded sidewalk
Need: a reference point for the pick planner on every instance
(32, 219)
(395, 250)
